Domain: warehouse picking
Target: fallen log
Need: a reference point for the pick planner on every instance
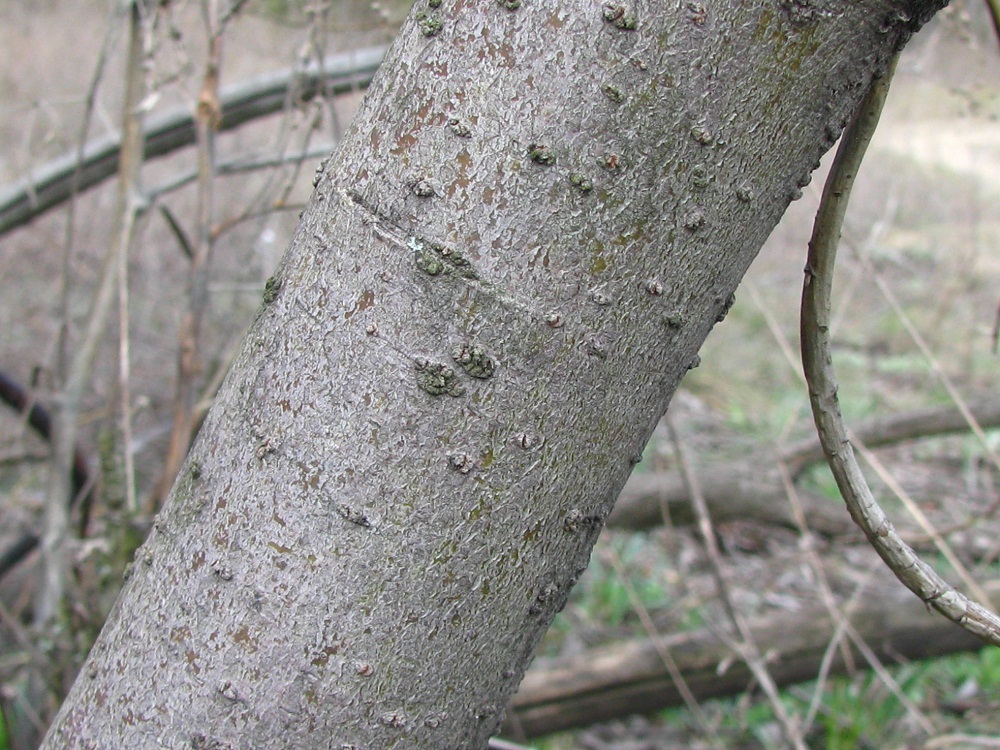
(732, 492)
(629, 677)
(751, 487)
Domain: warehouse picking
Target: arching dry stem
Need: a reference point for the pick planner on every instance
(917, 575)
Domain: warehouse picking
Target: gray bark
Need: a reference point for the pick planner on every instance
(504, 272)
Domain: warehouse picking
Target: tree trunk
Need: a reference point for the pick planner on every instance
(538, 215)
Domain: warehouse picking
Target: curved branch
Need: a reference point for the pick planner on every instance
(52, 183)
(917, 575)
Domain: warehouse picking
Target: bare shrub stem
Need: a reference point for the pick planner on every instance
(917, 575)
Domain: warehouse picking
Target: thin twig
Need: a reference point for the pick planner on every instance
(208, 117)
(917, 575)
(655, 638)
(888, 680)
(56, 522)
(838, 617)
(134, 202)
(935, 365)
(177, 231)
(774, 328)
(65, 408)
(925, 523)
(961, 740)
(995, 335)
(54, 182)
(276, 189)
(843, 627)
(241, 165)
(66, 269)
(746, 647)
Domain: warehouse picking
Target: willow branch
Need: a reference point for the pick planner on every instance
(817, 362)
